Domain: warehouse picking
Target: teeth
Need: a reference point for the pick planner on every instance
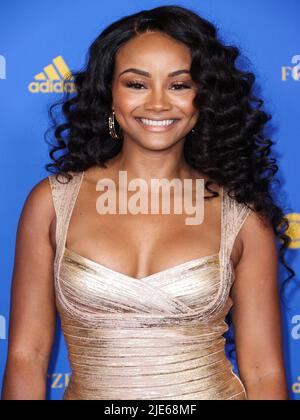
(157, 123)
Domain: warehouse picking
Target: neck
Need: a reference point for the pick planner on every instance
(149, 164)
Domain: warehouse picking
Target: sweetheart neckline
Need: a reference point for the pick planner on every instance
(153, 275)
(146, 278)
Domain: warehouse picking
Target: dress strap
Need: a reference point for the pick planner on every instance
(234, 216)
(64, 194)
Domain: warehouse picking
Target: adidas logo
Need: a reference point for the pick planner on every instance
(51, 79)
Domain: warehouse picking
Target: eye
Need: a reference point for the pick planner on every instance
(182, 85)
(135, 85)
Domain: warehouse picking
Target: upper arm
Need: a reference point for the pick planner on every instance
(256, 311)
(32, 310)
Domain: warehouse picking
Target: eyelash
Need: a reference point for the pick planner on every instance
(131, 84)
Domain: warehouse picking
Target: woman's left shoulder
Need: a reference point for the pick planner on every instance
(257, 233)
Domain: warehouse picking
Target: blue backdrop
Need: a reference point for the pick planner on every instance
(40, 41)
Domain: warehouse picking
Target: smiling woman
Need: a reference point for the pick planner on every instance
(142, 297)
(160, 100)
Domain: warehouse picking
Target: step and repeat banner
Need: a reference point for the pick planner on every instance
(40, 42)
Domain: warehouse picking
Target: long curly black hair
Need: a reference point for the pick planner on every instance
(228, 144)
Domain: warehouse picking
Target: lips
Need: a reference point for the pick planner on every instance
(155, 119)
(140, 121)
(157, 128)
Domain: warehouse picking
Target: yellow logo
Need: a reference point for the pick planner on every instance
(296, 387)
(51, 79)
(293, 71)
(58, 380)
(294, 229)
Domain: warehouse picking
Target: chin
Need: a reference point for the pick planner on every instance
(157, 145)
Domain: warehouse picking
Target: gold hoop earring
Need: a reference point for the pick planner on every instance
(112, 129)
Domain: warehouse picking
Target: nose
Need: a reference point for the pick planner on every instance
(157, 100)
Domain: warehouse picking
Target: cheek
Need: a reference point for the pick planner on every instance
(127, 104)
(123, 100)
(186, 103)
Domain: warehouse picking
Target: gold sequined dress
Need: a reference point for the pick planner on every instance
(159, 337)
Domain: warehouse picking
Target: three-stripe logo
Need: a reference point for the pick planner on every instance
(55, 78)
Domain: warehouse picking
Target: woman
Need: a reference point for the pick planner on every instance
(142, 297)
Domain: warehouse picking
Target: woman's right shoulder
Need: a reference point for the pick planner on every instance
(39, 203)
(43, 198)
(43, 194)
(38, 214)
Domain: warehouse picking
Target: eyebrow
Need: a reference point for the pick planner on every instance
(146, 74)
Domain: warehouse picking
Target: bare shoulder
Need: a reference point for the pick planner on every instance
(39, 198)
(257, 229)
(255, 236)
(258, 238)
(38, 211)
